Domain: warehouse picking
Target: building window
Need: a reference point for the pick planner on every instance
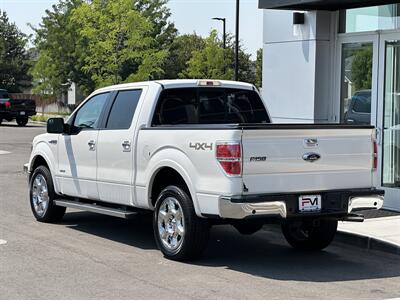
(370, 18)
(356, 83)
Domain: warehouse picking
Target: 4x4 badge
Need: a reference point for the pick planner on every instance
(201, 146)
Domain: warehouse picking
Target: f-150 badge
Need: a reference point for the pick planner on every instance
(258, 158)
(201, 146)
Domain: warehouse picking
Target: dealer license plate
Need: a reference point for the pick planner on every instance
(310, 203)
(22, 113)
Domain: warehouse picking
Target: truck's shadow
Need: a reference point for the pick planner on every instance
(264, 254)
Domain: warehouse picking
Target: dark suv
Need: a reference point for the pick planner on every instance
(359, 109)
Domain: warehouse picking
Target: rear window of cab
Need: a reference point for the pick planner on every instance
(209, 106)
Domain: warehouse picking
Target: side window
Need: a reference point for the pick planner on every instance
(88, 115)
(176, 107)
(123, 110)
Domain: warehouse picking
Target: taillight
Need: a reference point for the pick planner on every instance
(375, 157)
(8, 104)
(229, 155)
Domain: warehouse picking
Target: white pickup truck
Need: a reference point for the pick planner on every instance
(199, 153)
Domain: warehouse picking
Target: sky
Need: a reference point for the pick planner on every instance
(188, 15)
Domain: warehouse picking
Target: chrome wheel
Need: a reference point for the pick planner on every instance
(171, 223)
(40, 195)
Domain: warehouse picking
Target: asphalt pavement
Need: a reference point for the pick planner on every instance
(89, 256)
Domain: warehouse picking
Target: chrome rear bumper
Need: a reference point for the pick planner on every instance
(338, 203)
(367, 202)
(230, 210)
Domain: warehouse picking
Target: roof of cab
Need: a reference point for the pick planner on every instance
(176, 83)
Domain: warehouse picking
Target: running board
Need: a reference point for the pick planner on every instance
(115, 212)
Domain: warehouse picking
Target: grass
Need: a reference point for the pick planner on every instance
(44, 117)
(40, 118)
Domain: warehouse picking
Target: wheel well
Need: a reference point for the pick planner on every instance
(165, 177)
(39, 161)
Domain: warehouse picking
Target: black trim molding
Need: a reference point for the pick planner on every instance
(256, 126)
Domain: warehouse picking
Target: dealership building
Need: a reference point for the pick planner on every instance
(337, 61)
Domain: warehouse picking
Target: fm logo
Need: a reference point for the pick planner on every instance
(201, 146)
(309, 200)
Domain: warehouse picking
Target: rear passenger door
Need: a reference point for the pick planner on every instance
(116, 149)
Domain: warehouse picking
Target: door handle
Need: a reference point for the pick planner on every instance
(92, 145)
(126, 146)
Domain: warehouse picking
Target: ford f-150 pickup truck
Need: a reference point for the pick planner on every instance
(199, 153)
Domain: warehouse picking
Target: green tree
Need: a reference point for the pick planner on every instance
(14, 60)
(247, 67)
(157, 12)
(212, 61)
(259, 66)
(181, 51)
(60, 57)
(116, 34)
(362, 69)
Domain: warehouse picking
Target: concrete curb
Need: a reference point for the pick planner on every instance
(366, 242)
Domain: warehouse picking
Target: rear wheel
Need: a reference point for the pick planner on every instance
(1, 121)
(22, 121)
(179, 233)
(42, 196)
(313, 234)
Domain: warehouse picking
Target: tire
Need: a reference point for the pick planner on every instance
(42, 205)
(247, 227)
(310, 235)
(1, 121)
(22, 121)
(179, 233)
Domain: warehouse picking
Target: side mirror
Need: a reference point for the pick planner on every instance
(55, 125)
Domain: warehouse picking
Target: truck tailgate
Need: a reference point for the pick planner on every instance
(285, 160)
(23, 104)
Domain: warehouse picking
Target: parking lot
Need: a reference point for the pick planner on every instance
(89, 256)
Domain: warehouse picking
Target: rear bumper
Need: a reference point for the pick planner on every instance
(338, 203)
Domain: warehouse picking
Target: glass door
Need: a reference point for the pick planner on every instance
(389, 114)
(357, 75)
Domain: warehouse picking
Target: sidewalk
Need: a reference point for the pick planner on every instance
(375, 234)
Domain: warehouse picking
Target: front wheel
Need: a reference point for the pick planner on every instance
(41, 196)
(310, 234)
(179, 233)
(22, 121)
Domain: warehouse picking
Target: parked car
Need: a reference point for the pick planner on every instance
(200, 153)
(18, 109)
(359, 109)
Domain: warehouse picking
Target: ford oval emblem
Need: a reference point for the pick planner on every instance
(311, 157)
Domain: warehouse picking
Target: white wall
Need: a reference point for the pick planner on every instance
(296, 70)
